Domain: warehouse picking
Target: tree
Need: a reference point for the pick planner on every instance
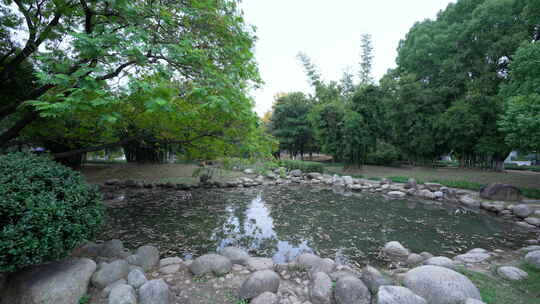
(82, 50)
(366, 59)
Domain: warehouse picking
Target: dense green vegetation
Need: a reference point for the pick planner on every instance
(46, 211)
(466, 84)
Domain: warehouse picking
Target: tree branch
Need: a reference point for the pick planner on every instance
(117, 71)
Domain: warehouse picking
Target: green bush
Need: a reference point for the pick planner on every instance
(46, 210)
(383, 155)
(305, 166)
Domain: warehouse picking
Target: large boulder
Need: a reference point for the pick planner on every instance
(533, 258)
(146, 257)
(110, 272)
(112, 248)
(433, 186)
(122, 294)
(500, 192)
(259, 282)
(395, 251)
(215, 263)
(62, 282)
(511, 273)
(235, 255)
(296, 173)
(136, 278)
(440, 285)
(373, 279)
(351, 290)
(320, 288)
(266, 298)
(314, 263)
(473, 257)
(440, 261)
(522, 210)
(256, 264)
(397, 295)
(155, 292)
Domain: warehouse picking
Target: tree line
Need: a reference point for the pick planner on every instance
(466, 84)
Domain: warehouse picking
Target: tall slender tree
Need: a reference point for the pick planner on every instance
(366, 59)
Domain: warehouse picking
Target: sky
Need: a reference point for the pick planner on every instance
(329, 32)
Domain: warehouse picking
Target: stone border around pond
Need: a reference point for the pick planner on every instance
(112, 274)
(522, 214)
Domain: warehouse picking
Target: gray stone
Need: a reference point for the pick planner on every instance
(440, 285)
(155, 292)
(525, 225)
(522, 210)
(314, 175)
(107, 290)
(511, 273)
(249, 171)
(348, 180)
(396, 194)
(61, 282)
(373, 279)
(500, 192)
(258, 283)
(395, 251)
(433, 186)
(236, 255)
(473, 301)
(397, 295)
(533, 258)
(529, 248)
(256, 264)
(136, 278)
(112, 248)
(426, 194)
(320, 289)
(411, 184)
(426, 255)
(89, 249)
(122, 294)
(109, 273)
(351, 290)
(215, 263)
(170, 269)
(146, 256)
(296, 173)
(169, 261)
(309, 260)
(440, 261)
(473, 257)
(414, 259)
(493, 206)
(533, 221)
(469, 201)
(266, 298)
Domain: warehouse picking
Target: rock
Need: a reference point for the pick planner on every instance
(136, 278)
(529, 248)
(438, 194)
(385, 181)
(112, 248)
(440, 261)
(469, 201)
(266, 298)
(397, 194)
(526, 225)
(395, 251)
(107, 290)
(397, 295)
(411, 184)
(511, 273)
(296, 173)
(112, 182)
(373, 279)
(472, 257)
(249, 171)
(236, 255)
(169, 261)
(256, 264)
(426, 255)
(146, 256)
(211, 263)
(89, 249)
(414, 259)
(522, 210)
(320, 289)
(122, 294)
(314, 175)
(61, 282)
(533, 258)
(426, 194)
(493, 206)
(110, 272)
(348, 180)
(533, 221)
(477, 250)
(351, 290)
(258, 283)
(473, 301)
(500, 192)
(439, 285)
(433, 186)
(170, 269)
(154, 292)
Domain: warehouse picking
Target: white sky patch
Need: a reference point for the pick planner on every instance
(329, 32)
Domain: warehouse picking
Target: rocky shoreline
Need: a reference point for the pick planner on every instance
(500, 200)
(106, 272)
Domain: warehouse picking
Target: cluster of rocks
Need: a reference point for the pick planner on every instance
(114, 275)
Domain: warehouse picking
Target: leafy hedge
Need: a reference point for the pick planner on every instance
(305, 166)
(46, 210)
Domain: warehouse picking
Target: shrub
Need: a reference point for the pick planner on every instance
(305, 166)
(383, 155)
(46, 210)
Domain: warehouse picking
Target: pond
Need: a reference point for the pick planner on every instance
(283, 221)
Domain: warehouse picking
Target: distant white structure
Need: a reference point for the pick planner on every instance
(510, 159)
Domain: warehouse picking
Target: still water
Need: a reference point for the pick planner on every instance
(281, 222)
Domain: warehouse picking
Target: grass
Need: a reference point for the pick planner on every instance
(495, 290)
(471, 179)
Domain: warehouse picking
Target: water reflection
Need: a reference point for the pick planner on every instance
(253, 229)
